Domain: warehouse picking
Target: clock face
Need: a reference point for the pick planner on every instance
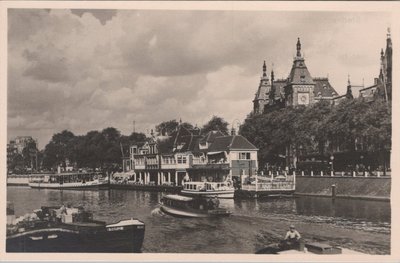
(303, 98)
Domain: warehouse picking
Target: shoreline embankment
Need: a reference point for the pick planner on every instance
(363, 188)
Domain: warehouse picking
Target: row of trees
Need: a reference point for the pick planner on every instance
(95, 149)
(106, 148)
(320, 129)
(215, 123)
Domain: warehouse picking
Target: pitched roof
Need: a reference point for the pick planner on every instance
(279, 86)
(263, 89)
(323, 87)
(232, 142)
(210, 136)
(299, 73)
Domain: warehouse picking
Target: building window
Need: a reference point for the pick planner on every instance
(244, 156)
(181, 159)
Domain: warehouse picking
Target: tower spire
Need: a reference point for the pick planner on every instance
(298, 45)
(264, 70)
(349, 93)
(272, 92)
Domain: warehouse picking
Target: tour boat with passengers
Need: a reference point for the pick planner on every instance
(68, 181)
(184, 206)
(70, 229)
(209, 189)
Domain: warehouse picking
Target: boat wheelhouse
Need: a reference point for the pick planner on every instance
(184, 206)
(209, 189)
(68, 181)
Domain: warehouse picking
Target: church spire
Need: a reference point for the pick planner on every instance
(272, 92)
(264, 70)
(298, 45)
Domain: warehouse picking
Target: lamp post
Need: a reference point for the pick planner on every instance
(362, 163)
(332, 158)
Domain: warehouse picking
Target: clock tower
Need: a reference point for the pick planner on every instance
(299, 89)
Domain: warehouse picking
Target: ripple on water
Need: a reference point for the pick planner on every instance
(235, 234)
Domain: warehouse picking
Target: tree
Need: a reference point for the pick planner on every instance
(59, 149)
(216, 123)
(168, 127)
(321, 129)
(29, 154)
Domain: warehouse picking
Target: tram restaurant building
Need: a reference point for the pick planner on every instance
(188, 155)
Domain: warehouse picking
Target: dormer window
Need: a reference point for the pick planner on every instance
(302, 78)
(180, 146)
(319, 94)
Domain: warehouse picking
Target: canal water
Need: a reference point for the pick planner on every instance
(252, 225)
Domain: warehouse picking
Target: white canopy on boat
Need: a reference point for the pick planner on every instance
(122, 175)
(178, 198)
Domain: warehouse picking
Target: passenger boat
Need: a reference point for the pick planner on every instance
(184, 206)
(66, 229)
(209, 189)
(68, 181)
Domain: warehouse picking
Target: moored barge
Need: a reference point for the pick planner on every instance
(66, 229)
(69, 181)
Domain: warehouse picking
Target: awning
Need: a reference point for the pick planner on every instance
(211, 153)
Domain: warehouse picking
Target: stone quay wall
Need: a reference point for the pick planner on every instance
(368, 188)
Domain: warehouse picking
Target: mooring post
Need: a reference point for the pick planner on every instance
(322, 173)
(302, 173)
(333, 188)
(312, 173)
(354, 174)
(379, 174)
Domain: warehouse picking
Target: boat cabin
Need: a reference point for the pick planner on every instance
(66, 178)
(183, 202)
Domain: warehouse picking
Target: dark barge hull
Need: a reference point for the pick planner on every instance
(115, 240)
(83, 187)
(260, 194)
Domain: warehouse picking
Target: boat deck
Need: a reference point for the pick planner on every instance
(345, 251)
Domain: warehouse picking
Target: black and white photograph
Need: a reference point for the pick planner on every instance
(217, 128)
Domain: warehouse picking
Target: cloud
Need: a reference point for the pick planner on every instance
(84, 70)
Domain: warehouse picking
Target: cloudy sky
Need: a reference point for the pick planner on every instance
(85, 70)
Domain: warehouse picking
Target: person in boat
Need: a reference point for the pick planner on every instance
(292, 239)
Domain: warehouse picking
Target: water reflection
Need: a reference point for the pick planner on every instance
(373, 211)
(140, 202)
